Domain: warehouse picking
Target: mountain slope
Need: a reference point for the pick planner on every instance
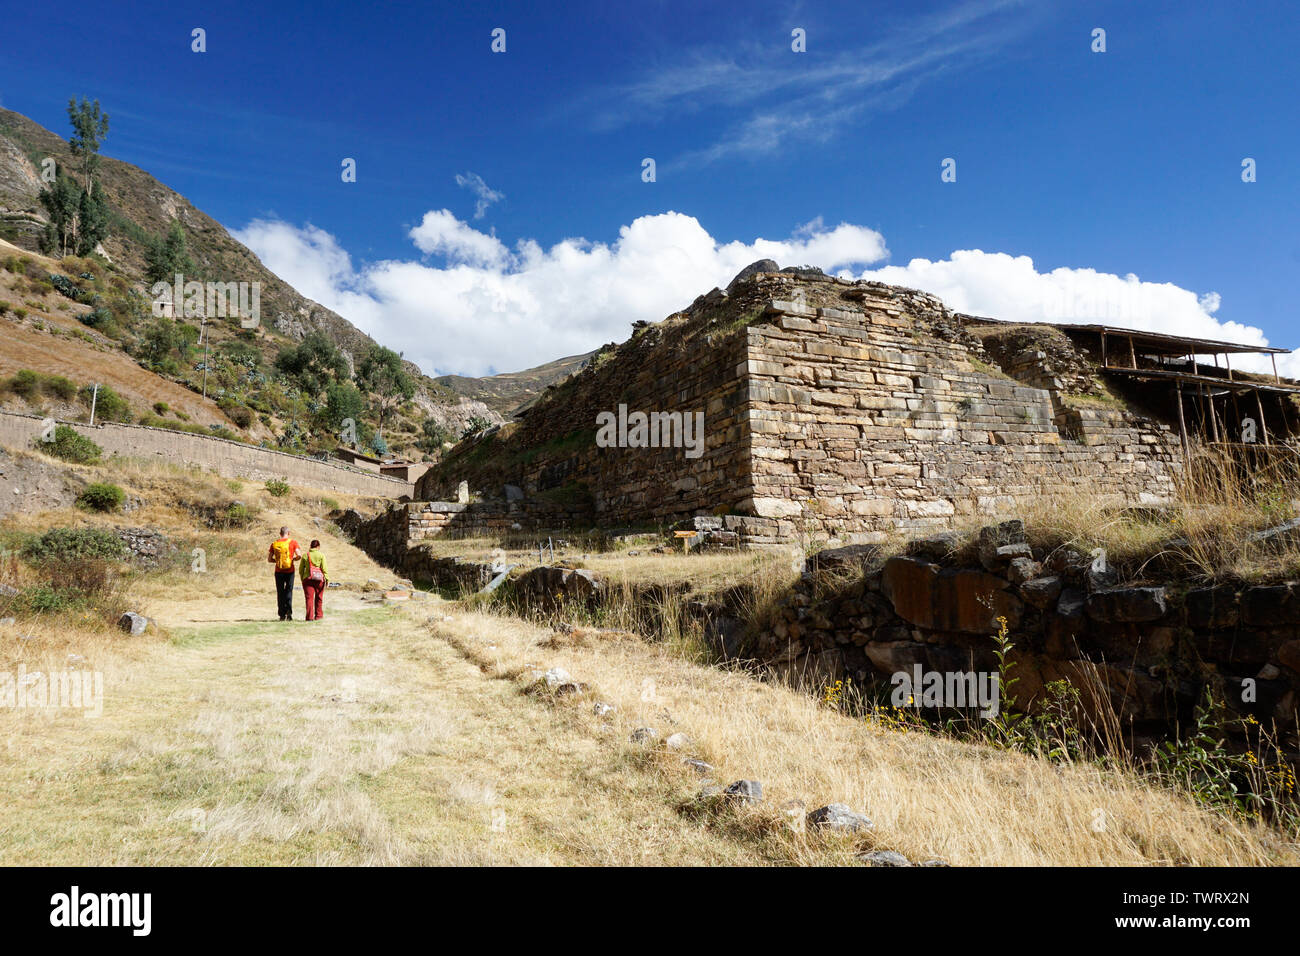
(142, 207)
(511, 392)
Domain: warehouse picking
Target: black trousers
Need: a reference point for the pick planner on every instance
(284, 592)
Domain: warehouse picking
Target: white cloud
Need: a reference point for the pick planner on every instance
(490, 308)
(1010, 288)
(441, 233)
(484, 194)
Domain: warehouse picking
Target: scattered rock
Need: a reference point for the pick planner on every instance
(644, 735)
(837, 816)
(678, 741)
(1023, 570)
(602, 709)
(699, 766)
(745, 791)
(884, 858)
(133, 623)
(934, 862)
(556, 676)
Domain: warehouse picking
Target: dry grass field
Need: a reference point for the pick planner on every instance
(417, 733)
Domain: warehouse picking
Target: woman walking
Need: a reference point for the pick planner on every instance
(314, 576)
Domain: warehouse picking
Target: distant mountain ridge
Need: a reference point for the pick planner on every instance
(511, 392)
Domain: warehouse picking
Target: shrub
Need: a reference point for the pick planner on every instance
(21, 313)
(243, 417)
(5, 307)
(64, 545)
(101, 496)
(161, 408)
(277, 487)
(25, 383)
(46, 599)
(235, 516)
(59, 387)
(71, 445)
(109, 405)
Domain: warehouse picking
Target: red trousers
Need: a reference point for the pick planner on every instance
(314, 593)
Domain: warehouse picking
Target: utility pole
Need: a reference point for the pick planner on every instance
(94, 397)
(203, 337)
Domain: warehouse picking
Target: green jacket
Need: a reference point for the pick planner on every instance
(315, 557)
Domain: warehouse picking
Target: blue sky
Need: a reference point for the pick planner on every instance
(1094, 166)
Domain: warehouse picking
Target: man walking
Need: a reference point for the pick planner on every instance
(283, 553)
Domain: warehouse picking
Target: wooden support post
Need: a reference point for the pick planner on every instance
(1104, 363)
(1263, 427)
(1195, 370)
(1214, 419)
(1132, 353)
(1276, 379)
(1182, 424)
(1228, 362)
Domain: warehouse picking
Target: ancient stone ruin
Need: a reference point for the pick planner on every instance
(839, 411)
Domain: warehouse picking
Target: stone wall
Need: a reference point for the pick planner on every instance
(1154, 648)
(226, 458)
(834, 410)
(863, 422)
(391, 536)
(552, 455)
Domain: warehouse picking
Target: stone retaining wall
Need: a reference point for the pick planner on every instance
(219, 455)
(1154, 648)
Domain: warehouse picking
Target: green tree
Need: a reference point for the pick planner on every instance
(79, 219)
(383, 374)
(92, 220)
(314, 363)
(343, 400)
(166, 255)
(89, 127)
(61, 202)
(164, 338)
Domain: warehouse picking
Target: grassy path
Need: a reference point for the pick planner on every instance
(362, 740)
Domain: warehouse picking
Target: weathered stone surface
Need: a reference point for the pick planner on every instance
(1215, 608)
(133, 623)
(1041, 592)
(838, 817)
(1021, 570)
(1288, 655)
(1271, 606)
(948, 600)
(745, 791)
(884, 858)
(1126, 605)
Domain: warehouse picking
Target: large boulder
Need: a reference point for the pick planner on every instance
(754, 268)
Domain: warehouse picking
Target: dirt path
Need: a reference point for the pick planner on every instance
(361, 740)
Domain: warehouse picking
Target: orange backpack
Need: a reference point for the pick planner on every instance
(283, 551)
